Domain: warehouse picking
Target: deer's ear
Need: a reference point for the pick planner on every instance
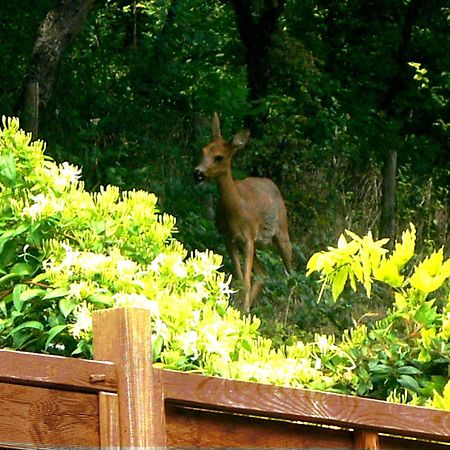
(240, 139)
(216, 126)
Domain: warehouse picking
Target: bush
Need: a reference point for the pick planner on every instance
(65, 252)
(404, 356)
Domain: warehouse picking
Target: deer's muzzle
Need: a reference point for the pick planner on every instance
(199, 176)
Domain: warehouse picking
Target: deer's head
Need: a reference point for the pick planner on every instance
(217, 155)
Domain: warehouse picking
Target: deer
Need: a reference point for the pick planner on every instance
(250, 214)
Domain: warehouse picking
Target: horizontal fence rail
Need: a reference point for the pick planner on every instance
(57, 371)
(344, 411)
(120, 401)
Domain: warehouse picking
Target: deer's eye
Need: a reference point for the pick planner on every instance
(218, 158)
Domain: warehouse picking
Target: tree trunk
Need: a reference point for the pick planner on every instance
(396, 86)
(257, 36)
(30, 112)
(57, 31)
(388, 195)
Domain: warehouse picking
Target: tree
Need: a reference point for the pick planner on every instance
(396, 85)
(57, 31)
(257, 27)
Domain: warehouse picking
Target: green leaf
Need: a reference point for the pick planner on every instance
(53, 333)
(247, 345)
(409, 382)
(380, 369)
(17, 292)
(339, 280)
(157, 345)
(33, 324)
(67, 305)
(14, 231)
(8, 277)
(426, 314)
(8, 172)
(409, 370)
(101, 299)
(22, 269)
(8, 250)
(3, 308)
(55, 293)
(29, 294)
(18, 270)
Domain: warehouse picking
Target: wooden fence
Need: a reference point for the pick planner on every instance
(119, 400)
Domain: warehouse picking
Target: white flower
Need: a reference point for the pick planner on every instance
(92, 262)
(196, 313)
(201, 290)
(75, 290)
(323, 344)
(43, 206)
(80, 290)
(83, 320)
(225, 288)
(67, 174)
(126, 267)
(157, 262)
(189, 341)
(160, 329)
(179, 268)
(137, 301)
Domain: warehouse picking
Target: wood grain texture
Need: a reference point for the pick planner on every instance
(38, 417)
(123, 336)
(56, 371)
(305, 405)
(394, 443)
(190, 428)
(366, 440)
(109, 420)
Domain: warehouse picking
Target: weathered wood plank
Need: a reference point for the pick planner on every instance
(38, 417)
(395, 443)
(305, 405)
(122, 335)
(190, 428)
(366, 440)
(109, 420)
(45, 370)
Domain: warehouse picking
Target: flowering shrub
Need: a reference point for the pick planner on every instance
(65, 252)
(406, 355)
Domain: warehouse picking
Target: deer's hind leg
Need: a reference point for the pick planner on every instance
(284, 246)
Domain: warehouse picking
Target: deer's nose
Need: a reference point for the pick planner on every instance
(199, 175)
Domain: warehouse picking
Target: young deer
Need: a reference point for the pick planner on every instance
(251, 212)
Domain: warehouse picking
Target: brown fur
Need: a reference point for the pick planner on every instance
(251, 212)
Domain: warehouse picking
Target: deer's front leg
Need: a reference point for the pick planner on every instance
(248, 265)
(233, 251)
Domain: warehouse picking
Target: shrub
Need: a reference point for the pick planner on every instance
(406, 354)
(65, 252)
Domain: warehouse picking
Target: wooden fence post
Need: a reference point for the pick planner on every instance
(366, 440)
(108, 406)
(123, 336)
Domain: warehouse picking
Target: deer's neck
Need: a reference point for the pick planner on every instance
(229, 193)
